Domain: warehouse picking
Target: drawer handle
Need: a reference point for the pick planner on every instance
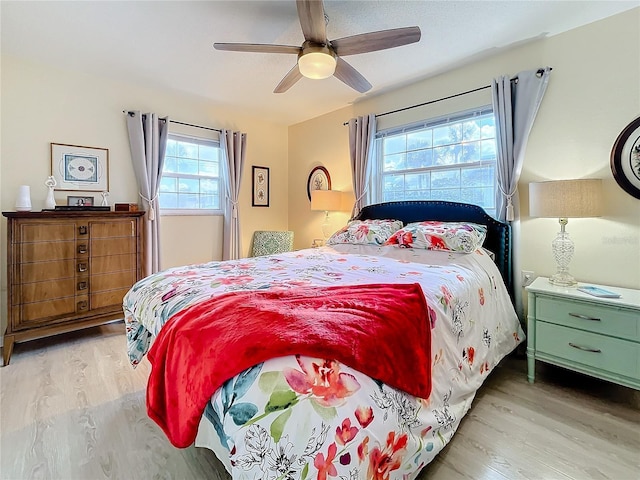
(82, 285)
(82, 230)
(585, 349)
(584, 317)
(82, 267)
(82, 305)
(82, 249)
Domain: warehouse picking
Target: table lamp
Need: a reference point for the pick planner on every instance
(564, 199)
(327, 200)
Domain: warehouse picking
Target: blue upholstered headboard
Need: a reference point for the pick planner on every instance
(498, 233)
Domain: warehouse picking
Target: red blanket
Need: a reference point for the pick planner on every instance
(380, 330)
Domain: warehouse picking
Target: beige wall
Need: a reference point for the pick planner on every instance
(185, 240)
(322, 141)
(41, 104)
(593, 93)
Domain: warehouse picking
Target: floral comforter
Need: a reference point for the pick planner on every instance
(298, 417)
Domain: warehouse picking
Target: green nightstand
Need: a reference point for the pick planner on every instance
(592, 335)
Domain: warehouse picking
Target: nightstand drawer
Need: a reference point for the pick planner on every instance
(598, 351)
(605, 319)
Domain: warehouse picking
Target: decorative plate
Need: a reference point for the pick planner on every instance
(625, 159)
(319, 179)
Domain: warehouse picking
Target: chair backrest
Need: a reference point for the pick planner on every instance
(270, 242)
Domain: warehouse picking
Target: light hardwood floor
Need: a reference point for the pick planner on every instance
(71, 407)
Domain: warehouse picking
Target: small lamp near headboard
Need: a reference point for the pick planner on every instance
(564, 199)
(329, 201)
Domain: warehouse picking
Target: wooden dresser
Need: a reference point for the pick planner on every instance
(68, 270)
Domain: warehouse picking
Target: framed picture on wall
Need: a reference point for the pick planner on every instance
(75, 167)
(260, 194)
(625, 159)
(319, 179)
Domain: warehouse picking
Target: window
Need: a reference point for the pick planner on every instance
(191, 176)
(451, 158)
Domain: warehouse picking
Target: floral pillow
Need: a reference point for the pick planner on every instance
(365, 232)
(452, 236)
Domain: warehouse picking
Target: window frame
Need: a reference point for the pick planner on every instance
(221, 188)
(376, 181)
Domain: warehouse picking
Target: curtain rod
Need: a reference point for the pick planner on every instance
(130, 113)
(514, 79)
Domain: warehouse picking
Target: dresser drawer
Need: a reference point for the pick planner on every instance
(46, 251)
(113, 229)
(112, 281)
(45, 271)
(49, 290)
(105, 247)
(111, 298)
(42, 313)
(611, 320)
(590, 349)
(46, 232)
(113, 263)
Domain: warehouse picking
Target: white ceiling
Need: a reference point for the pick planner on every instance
(169, 43)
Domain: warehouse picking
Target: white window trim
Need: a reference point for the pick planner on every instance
(172, 212)
(434, 122)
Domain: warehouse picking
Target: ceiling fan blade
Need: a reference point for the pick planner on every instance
(373, 41)
(289, 79)
(256, 48)
(349, 75)
(311, 15)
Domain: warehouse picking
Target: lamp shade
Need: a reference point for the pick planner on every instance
(347, 202)
(566, 198)
(326, 200)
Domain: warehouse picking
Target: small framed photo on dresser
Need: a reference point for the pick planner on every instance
(76, 201)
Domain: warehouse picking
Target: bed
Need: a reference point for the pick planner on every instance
(295, 415)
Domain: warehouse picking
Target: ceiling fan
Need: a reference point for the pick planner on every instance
(320, 58)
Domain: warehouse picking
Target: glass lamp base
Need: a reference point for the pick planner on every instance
(563, 279)
(326, 231)
(563, 248)
(326, 227)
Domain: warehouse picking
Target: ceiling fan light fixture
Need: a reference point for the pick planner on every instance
(317, 64)
(318, 57)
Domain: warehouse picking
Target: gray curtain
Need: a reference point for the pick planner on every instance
(362, 131)
(515, 105)
(148, 143)
(233, 146)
